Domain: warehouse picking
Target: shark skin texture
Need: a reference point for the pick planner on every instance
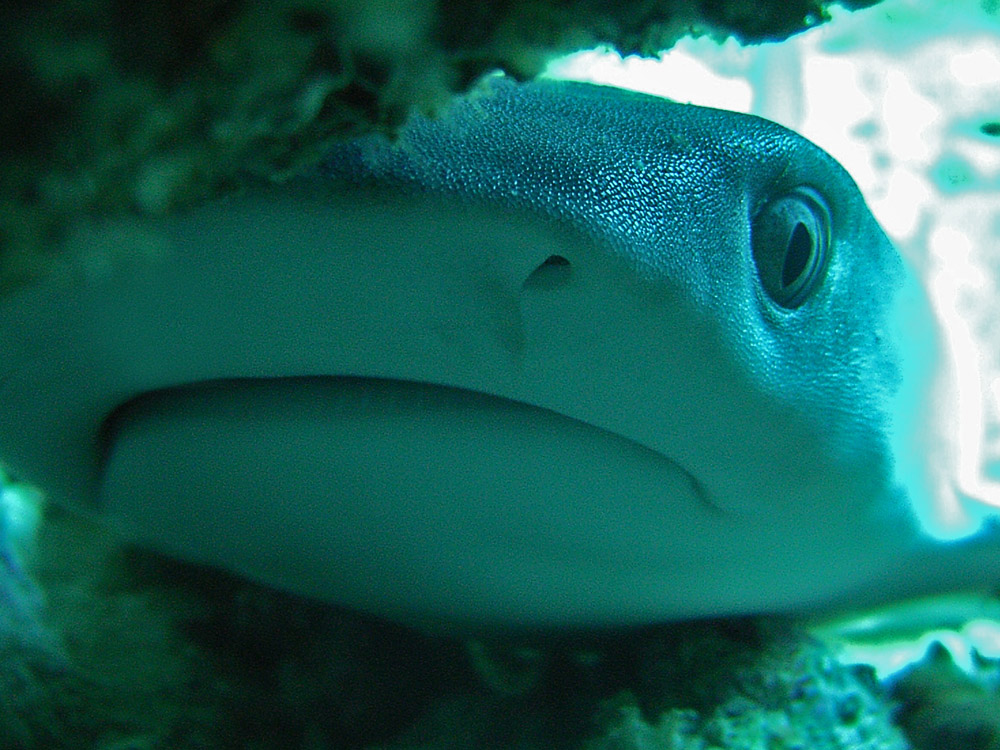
(563, 356)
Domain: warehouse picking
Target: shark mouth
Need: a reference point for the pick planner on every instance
(345, 410)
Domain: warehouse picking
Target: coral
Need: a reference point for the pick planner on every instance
(123, 676)
(724, 685)
(783, 692)
(942, 706)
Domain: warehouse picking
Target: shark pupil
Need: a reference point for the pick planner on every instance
(790, 237)
(799, 250)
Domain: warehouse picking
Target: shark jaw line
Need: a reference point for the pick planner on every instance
(353, 399)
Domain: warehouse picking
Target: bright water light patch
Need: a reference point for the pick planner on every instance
(20, 515)
(892, 637)
(678, 74)
(899, 94)
(891, 657)
(979, 66)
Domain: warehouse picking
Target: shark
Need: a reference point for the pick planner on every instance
(560, 356)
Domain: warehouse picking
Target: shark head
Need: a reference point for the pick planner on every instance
(564, 355)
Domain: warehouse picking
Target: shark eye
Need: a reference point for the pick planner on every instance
(791, 245)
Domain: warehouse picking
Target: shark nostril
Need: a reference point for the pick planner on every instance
(553, 272)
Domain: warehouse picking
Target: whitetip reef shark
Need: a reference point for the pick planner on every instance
(565, 355)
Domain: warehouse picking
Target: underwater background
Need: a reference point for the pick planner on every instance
(113, 648)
